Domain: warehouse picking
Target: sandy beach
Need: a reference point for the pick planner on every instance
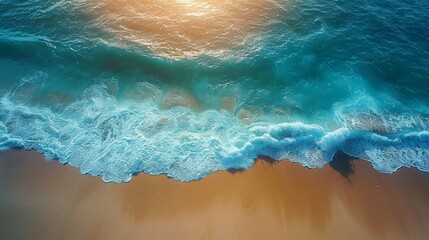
(283, 200)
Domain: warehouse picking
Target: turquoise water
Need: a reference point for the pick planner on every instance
(187, 88)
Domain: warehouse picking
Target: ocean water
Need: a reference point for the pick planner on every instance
(189, 87)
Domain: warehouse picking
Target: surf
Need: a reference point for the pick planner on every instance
(188, 88)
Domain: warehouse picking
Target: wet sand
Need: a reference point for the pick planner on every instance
(47, 200)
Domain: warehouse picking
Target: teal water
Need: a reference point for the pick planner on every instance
(187, 88)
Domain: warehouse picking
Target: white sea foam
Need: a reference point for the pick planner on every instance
(103, 136)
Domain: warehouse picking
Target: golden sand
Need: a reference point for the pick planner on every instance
(41, 200)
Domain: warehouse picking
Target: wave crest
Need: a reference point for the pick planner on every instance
(103, 136)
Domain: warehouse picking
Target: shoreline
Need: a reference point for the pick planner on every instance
(275, 200)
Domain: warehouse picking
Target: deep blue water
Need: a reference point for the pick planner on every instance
(187, 88)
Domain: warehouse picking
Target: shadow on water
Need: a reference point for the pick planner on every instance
(234, 171)
(270, 161)
(343, 164)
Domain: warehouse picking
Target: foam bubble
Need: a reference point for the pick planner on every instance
(103, 136)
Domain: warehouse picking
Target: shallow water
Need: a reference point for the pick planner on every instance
(187, 88)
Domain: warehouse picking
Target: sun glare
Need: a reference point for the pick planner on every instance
(186, 28)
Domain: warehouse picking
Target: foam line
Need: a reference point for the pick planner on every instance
(105, 137)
